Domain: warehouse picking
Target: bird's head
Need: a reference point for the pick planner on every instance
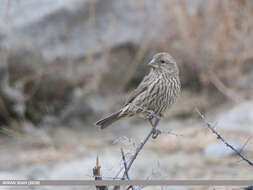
(164, 62)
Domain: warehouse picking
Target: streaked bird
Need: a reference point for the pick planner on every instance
(154, 95)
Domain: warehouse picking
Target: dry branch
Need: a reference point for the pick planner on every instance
(137, 151)
(125, 163)
(154, 132)
(214, 131)
(139, 148)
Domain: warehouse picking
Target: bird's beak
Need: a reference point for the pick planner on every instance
(152, 63)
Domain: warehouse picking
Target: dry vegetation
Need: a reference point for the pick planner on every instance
(212, 41)
(216, 40)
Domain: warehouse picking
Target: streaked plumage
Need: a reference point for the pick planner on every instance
(156, 93)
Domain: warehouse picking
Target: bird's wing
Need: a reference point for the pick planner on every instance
(141, 88)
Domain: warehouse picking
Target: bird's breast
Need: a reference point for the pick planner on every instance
(164, 92)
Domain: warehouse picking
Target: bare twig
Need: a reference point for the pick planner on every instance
(137, 151)
(242, 148)
(212, 128)
(132, 144)
(125, 163)
(245, 144)
(139, 148)
(171, 133)
(153, 132)
(125, 166)
(141, 145)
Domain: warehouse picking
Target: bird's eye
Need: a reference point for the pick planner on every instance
(162, 61)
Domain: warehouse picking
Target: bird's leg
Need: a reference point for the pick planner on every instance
(150, 118)
(150, 115)
(156, 132)
(150, 121)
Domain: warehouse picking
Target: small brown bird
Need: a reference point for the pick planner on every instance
(154, 95)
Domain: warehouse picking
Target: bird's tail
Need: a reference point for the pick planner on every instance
(103, 123)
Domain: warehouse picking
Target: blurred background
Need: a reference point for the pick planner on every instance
(64, 64)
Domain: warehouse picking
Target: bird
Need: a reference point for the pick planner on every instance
(155, 94)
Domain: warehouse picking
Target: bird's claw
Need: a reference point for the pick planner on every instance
(150, 115)
(155, 134)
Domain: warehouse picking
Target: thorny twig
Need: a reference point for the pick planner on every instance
(133, 145)
(125, 166)
(125, 163)
(141, 145)
(242, 148)
(238, 152)
(139, 148)
(244, 145)
(171, 133)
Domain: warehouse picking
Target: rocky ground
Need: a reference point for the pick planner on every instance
(190, 151)
(60, 65)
